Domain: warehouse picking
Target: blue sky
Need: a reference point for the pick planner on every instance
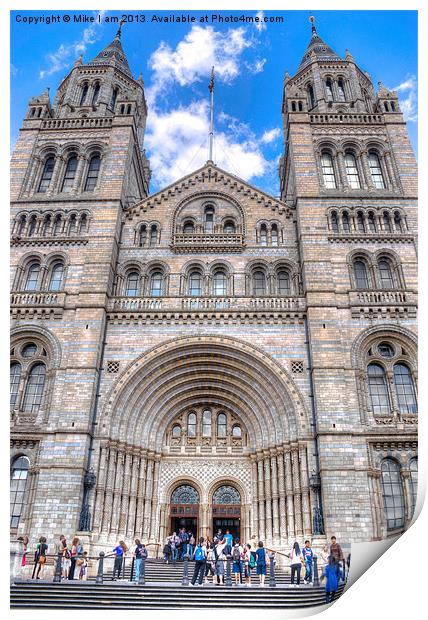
(176, 59)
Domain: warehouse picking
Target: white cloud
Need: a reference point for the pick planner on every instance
(257, 66)
(271, 135)
(260, 25)
(408, 96)
(62, 57)
(13, 69)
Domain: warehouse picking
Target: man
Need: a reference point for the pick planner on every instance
(308, 556)
(184, 539)
(200, 557)
(138, 554)
(219, 536)
(337, 553)
(228, 538)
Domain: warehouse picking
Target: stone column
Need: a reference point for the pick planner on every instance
(117, 493)
(343, 179)
(108, 501)
(131, 529)
(139, 520)
(124, 506)
(155, 499)
(100, 488)
(377, 510)
(148, 499)
(291, 532)
(366, 170)
(81, 162)
(254, 526)
(261, 486)
(304, 483)
(58, 167)
(281, 490)
(408, 500)
(36, 165)
(268, 498)
(388, 166)
(297, 493)
(275, 497)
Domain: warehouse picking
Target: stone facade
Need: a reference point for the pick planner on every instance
(211, 335)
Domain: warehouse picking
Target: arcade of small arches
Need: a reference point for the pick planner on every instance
(367, 221)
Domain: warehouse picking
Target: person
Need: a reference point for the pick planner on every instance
(219, 536)
(250, 562)
(261, 563)
(140, 552)
(40, 558)
(308, 556)
(66, 557)
(296, 561)
(237, 556)
(337, 553)
(167, 551)
(348, 563)
(190, 544)
(200, 557)
(73, 557)
(228, 538)
(331, 575)
(210, 564)
(184, 539)
(24, 541)
(82, 562)
(219, 558)
(324, 555)
(174, 541)
(119, 551)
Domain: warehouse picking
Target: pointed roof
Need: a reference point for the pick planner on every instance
(317, 49)
(113, 54)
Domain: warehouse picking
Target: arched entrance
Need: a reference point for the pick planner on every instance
(226, 510)
(184, 509)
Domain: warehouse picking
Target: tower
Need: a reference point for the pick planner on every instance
(350, 173)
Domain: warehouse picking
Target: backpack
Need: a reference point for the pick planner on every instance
(236, 554)
(252, 561)
(199, 554)
(138, 550)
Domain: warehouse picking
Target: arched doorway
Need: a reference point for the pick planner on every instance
(184, 509)
(226, 506)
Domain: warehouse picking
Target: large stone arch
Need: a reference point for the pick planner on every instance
(239, 375)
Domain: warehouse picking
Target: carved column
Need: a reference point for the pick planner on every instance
(297, 493)
(125, 494)
(275, 497)
(304, 478)
(58, 167)
(254, 526)
(139, 519)
(131, 529)
(81, 162)
(291, 532)
(408, 500)
(108, 501)
(268, 498)
(343, 179)
(155, 500)
(366, 169)
(262, 526)
(100, 490)
(281, 491)
(388, 166)
(148, 499)
(377, 507)
(31, 181)
(117, 492)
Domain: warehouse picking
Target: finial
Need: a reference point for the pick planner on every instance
(312, 20)
(79, 61)
(119, 30)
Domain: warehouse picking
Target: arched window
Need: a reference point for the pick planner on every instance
(15, 377)
(284, 287)
(219, 283)
(371, 221)
(386, 221)
(229, 226)
(57, 274)
(259, 283)
(57, 226)
(206, 423)
(376, 171)
(47, 225)
(32, 226)
(385, 274)
(274, 234)
(21, 225)
(176, 430)
(334, 222)
(378, 389)
(360, 222)
(191, 425)
(113, 98)
(96, 93)
(414, 482)
(209, 219)
(185, 494)
(328, 171)
(329, 89)
(18, 483)
(188, 227)
(311, 95)
(70, 174)
(398, 221)
(226, 494)
(345, 221)
(153, 235)
(393, 496)
(72, 227)
(83, 227)
(405, 389)
(47, 173)
(156, 284)
(85, 88)
(352, 171)
(221, 425)
(93, 172)
(263, 234)
(32, 279)
(143, 235)
(360, 273)
(237, 431)
(34, 389)
(195, 283)
(132, 284)
(341, 90)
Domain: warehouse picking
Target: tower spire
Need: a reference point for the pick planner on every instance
(211, 136)
(312, 20)
(119, 30)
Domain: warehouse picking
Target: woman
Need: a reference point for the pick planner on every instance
(261, 563)
(249, 562)
(210, 565)
(119, 551)
(167, 550)
(324, 555)
(24, 541)
(82, 562)
(219, 558)
(331, 574)
(73, 557)
(40, 558)
(296, 561)
(66, 561)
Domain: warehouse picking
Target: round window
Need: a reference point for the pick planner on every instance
(29, 350)
(386, 350)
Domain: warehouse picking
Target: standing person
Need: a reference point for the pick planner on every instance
(167, 551)
(237, 553)
(174, 541)
(82, 563)
(210, 564)
(40, 558)
(119, 551)
(228, 538)
(331, 574)
(184, 539)
(66, 561)
(73, 557)
(138, 557)
(219, 536)
(219, 558)
(337, 553)
(261, 563)
(308, 556)
(296, 561)
(348, 564)
(250, 562)
(24, 541)
(324, 555)
(191, 544)
(200, 557)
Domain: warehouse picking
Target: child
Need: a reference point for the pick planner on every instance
(261, 563)
(83, 563)
(308, 556)
(331, 574)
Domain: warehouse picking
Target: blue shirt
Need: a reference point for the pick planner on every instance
(308, 554)
(229, 539)
(118, 550)
(261, 556)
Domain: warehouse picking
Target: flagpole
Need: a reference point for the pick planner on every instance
(211, 136)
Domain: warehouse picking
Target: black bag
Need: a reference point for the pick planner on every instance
(236, 554)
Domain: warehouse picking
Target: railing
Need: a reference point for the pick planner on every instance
(367, 298)
(372, 119)
(206, 241)
(212, 303)
(37, 299)
(76, 123)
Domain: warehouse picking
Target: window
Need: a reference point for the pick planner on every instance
(360, 273)
(311, 95)
(328, 171)
(284, 287)
(32, 279)
(47, 225)
(93, 172)
(414, 482)
(70, 173)
(206, 423)
(153, 235)
(132, 284)
(376, 171)
(386, 350)
(191, 425)
(57, 274)
(32, 226)
(219, 283)
(237, 432)
(259, 283)
(84, 93)
(21, 225)
(188, 228)
(195, 283)
(329, 89)
(72, 227)
(345, 222)
(96, 93)
(209, 219)
(372, 222)
(360, 222)
(34, 389)
(83, 223)
(225, 495)
(393, 496)
(274, 234)
(143, 235)
(341, 90)
(386, 221)
(15, 377)
(176, 430)
(378, 389)
(352, 171)
(185, 494)
(405, 389)
(397, 221)
(334, 222)
(221, 425)
(47, 173)
(113, 98)
(17, 488)
(385, 274)
(29, 350)
(156, 282)
(229, 227)
(57, 226)
(263, 234)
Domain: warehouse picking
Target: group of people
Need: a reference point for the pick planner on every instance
(73, 556)
(138, 552)
(178, 545)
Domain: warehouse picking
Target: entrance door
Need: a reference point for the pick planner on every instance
(233, 525)
(227, 510)
(185, 509)
(189, 523)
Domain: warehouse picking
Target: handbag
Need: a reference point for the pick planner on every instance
(42, 559)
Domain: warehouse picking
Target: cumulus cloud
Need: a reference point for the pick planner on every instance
(408, 96)
(271, 135)
(64, 54)
(257, 66)
(260, 26)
